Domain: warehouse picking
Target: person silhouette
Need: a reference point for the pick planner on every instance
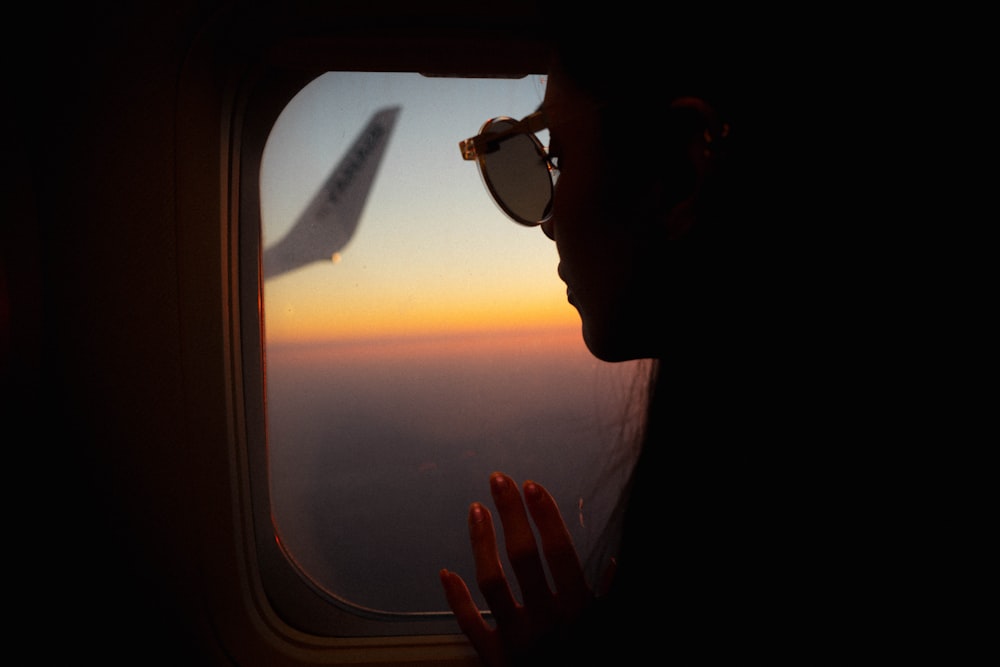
(651, 189)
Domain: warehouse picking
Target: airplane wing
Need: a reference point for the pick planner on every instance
(330, 219)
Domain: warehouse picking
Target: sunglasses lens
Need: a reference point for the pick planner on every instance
(518, 176)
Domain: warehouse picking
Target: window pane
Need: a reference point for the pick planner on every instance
(435, 347)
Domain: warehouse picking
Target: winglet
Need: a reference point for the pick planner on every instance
(329, 221)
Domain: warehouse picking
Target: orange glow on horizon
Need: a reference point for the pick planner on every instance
(545, 342)
(304, 323)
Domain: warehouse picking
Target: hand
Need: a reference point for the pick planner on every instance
(543, 616)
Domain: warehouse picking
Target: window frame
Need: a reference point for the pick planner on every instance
(237, 78)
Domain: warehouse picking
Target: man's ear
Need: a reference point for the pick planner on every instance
(694, 132)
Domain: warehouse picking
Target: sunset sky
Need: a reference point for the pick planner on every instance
(432, 252)
(439, 348)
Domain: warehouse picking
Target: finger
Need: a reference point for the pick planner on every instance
(522, 550)
(557, 543)
(490, 576)
(472, 624)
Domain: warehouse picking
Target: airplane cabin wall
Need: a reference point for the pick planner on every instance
(105, 526)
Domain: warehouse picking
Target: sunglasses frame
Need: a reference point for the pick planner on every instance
(477, 147)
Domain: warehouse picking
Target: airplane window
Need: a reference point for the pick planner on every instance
(415, 340)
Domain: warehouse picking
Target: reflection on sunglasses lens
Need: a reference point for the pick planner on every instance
(518, 176)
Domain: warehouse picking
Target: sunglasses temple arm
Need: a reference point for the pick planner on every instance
(531, 124)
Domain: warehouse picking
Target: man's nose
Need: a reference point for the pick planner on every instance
(548, 227)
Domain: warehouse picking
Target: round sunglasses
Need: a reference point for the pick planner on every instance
(516, 168)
